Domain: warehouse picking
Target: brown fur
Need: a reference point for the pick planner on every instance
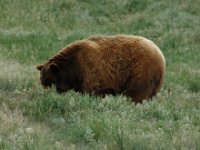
(124, 64)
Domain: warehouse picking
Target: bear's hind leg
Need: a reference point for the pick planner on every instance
(140, 91)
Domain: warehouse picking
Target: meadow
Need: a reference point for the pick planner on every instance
(32, 118)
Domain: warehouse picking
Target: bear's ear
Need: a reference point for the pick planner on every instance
(54, 67)
(39, 67)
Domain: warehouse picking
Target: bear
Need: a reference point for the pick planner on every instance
(107, 64)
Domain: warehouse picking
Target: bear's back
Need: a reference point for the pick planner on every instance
(122, 51)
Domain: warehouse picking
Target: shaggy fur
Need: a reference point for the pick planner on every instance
(122, 64)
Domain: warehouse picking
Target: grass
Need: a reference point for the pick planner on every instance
(34, 118)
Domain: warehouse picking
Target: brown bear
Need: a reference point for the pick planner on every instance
(121, 64)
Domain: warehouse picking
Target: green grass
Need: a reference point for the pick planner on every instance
(34, 118)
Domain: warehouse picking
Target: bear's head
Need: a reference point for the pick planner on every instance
(51, 74)
(62, 70)
(63, 74)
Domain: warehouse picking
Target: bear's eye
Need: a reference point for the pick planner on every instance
(48, 82)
